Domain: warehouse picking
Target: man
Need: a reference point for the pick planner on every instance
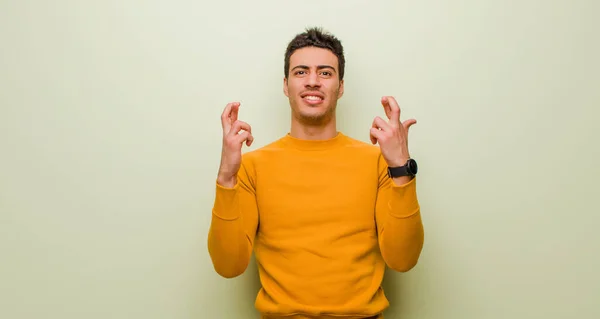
(323, 213)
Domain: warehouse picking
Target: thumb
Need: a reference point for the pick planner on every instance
(408, 123)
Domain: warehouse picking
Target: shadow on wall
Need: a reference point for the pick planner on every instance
(245, 291)
(391, 288)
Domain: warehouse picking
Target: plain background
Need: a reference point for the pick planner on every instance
(110, 143)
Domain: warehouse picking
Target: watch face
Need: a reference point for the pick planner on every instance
(412, 166)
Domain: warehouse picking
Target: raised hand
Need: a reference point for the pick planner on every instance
(392, 135)
(235, 134)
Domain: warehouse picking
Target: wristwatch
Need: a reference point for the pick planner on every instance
(409, 169)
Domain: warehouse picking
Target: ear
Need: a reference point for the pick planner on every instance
(341, 90)
(285, 87)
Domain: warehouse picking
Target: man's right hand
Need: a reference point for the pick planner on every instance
(235, 134)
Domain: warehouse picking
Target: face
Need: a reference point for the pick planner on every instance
(313, 85)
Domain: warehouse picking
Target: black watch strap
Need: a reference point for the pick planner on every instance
(398, 171)
(408, 169)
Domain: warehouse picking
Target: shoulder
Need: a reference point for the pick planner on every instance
(251, 157)
(366, 152)
(363, 147)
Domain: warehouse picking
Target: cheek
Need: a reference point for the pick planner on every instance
(293, 90)
(332, 90)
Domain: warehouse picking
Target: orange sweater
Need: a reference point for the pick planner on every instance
(323, 219)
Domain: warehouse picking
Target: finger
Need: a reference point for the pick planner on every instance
(235, 109)
(238, 126)
(377, 127)
(390, 102)
(372, 136)
(381, 124)
(245, 136)
(375, 134)
(249, 140)
(386, 107)
(226, 121)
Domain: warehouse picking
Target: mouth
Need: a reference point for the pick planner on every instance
(312, 98)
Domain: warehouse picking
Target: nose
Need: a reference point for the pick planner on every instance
(312, 80)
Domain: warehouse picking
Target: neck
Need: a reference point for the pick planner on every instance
(321, 131)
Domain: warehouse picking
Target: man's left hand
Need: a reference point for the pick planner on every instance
(392, 135)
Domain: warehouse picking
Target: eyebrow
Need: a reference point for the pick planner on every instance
(319, 67)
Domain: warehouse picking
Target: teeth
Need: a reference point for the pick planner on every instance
(312, 98)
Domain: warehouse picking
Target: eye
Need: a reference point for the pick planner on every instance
(326, 73)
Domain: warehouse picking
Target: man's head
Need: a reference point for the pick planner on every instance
(314, 72)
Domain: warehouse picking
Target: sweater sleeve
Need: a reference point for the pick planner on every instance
(399, 224)
(233, 227)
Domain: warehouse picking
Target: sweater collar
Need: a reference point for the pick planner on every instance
(314, 145)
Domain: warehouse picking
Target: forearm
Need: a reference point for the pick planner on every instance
(229, 246)
(401, 233)
(401, 241)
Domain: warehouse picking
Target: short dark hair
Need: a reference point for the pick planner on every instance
(316, 37)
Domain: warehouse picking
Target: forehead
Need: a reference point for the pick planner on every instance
(313, 56)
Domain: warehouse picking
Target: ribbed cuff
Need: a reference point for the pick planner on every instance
(226, 204)
(403, 200)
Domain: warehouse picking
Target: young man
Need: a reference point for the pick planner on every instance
(323, 213)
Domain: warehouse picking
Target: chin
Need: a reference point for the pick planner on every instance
(312, 107)
(314, 115)
(313, 110)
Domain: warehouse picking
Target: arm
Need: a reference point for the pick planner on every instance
(233, 226)
(398, 217)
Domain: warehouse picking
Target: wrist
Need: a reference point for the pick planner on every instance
(226, 181)
(406, 169)
(398, 162)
